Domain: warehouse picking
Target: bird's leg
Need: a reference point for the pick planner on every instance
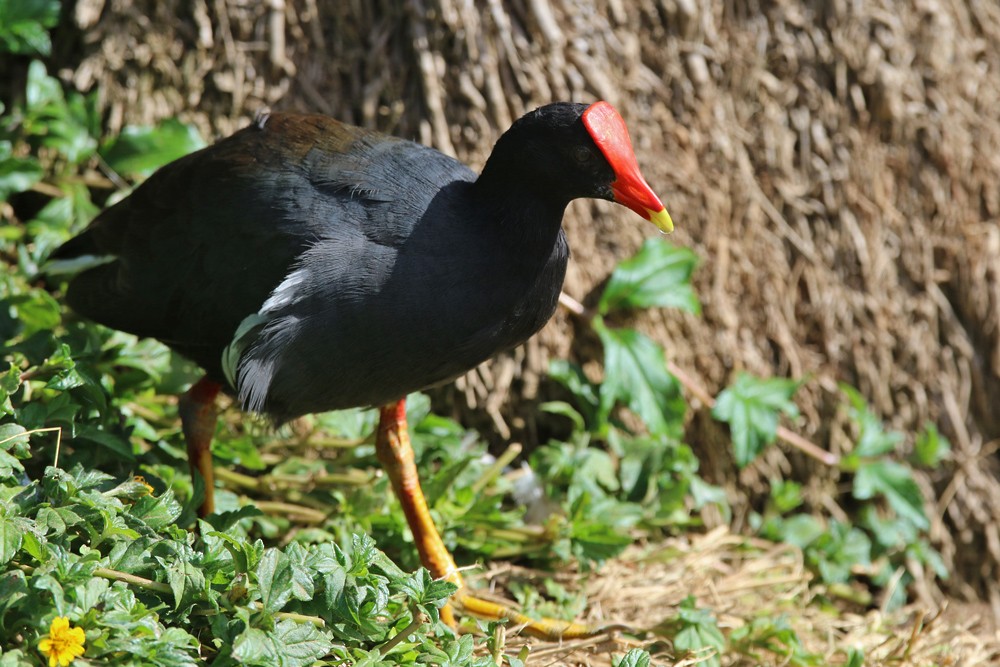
(392, 445)
(198, 417)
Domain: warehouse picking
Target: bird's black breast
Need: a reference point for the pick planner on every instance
(375, 319)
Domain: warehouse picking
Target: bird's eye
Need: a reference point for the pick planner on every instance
(583, 155)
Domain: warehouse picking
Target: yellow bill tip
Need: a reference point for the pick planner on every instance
(661, 219)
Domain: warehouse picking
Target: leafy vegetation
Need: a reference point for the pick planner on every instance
(25, 26)
(97, 521)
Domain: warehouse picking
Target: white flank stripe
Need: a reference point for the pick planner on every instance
(285, 293)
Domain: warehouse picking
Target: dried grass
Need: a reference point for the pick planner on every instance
(835, 163)
(742, 579)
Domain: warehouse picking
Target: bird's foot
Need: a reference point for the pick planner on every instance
(549, 629)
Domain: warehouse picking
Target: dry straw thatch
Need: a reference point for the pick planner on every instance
(835, 163)
(740, 579)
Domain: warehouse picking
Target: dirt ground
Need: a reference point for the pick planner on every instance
(835, 164)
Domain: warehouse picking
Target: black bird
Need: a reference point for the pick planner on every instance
(308, 265)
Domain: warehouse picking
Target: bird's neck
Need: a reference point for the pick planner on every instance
(521, 213)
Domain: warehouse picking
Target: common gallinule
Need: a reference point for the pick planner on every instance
(309, 265)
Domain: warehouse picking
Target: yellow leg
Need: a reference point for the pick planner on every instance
(392, 445)
(198, 416)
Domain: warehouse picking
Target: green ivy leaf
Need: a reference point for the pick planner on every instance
(636, 375)
(751, 407)
(175, 648)
(873, 440)
(244, 554)
(659, 275)
(143, 150)
(115, 444)
(350, 424)
(895, 482)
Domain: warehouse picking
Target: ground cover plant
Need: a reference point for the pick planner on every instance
(307, 561)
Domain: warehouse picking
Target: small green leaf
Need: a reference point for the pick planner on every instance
(699, 631)
(786, 495)
(298, 644)
(634, 658)
(751, 407)
(351, 424)
(13, 587)
(931, 447)
(873, 440)
(42, 90)
(157, 512)
(289, 644)
(10, 382)
(187, 581)
(11, 534)
(274, 577)
(37, 310)
(836, 552)
(53, 119)
(113, 443)
(252, 647)
(586, 393)
(658, 275)
(143, 150)
(636, 375)
(13, 438)
(17, 174)
(801, 530)
(301, 582)
(895, 482)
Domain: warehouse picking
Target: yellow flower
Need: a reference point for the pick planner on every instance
(64, 644)
(142, 480)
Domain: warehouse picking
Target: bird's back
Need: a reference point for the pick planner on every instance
(311, 265)
(203, 242)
